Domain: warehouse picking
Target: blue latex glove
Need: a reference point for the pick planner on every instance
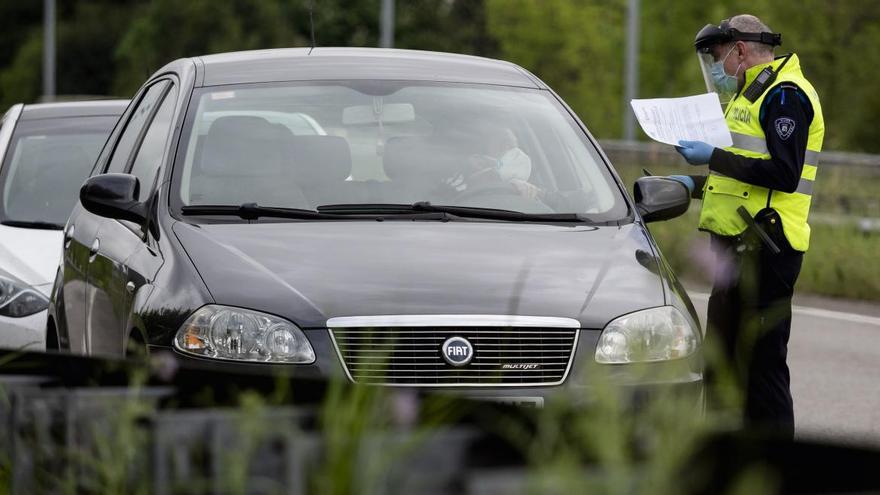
(695, 152)
(686, 180)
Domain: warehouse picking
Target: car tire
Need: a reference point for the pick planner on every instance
(52, 341)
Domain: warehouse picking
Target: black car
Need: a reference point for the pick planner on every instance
(396, 217)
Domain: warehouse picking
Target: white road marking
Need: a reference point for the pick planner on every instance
(816, 312)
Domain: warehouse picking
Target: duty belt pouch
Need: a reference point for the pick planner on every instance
(771, 223)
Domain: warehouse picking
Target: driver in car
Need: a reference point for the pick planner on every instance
(504, 160)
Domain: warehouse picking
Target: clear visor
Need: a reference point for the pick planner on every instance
(713, 79)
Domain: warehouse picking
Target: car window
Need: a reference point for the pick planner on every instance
(391, 142)
(149, 155)
(133, 129)
(47, 162)
(299, 124)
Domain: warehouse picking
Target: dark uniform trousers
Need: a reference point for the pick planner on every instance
(749, 319)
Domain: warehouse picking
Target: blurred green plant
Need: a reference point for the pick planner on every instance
(118, 441)
(600, 436)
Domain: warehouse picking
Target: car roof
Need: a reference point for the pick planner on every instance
(95, 108)
(297, 64)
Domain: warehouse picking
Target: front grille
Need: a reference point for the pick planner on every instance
(412, 356)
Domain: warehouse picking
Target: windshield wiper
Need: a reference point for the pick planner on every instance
(253, 211)
(457, 211)
(419, 210)
(34, 224)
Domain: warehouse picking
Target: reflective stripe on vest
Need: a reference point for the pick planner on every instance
(759, 145)
(723, 195)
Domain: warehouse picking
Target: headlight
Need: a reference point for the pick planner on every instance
(222, 332)
(17, 299)
(657, 334)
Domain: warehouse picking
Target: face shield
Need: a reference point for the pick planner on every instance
(716, 79)
(714, 44)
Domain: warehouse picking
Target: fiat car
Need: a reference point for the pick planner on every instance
(442, 221)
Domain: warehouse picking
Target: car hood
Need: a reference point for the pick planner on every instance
(31, 255)
(309, 272)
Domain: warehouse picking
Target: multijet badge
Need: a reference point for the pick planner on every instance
(457, 351)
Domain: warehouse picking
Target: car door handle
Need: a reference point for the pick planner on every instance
(93, 251)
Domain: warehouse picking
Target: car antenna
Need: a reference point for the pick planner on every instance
(312, 23)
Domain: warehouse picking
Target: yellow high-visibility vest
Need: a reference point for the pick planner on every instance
(723, 195)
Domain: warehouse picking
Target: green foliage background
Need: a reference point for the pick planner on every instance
(108, 47)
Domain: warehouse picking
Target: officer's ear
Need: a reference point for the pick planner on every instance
(742, 50)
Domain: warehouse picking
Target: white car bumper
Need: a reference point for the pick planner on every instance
(28, 332)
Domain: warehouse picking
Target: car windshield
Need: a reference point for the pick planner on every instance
(45, 165)
(306, 145)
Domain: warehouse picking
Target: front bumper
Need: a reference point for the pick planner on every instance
(28, 332)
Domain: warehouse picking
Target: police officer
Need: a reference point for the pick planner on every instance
(776, 123)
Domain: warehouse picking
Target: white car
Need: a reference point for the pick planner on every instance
(46, 152)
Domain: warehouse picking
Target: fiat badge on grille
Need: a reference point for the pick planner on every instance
(457, 351)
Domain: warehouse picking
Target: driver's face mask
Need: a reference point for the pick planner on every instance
(723, 81)
(514, 164)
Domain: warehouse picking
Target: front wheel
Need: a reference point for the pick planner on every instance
(52, 341)
(137, 348)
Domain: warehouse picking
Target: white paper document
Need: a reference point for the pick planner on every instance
(692, 118)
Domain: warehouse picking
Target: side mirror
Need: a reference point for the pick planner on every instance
(113, 196)
(659, 198)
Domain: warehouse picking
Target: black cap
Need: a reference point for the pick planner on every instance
(711, 36)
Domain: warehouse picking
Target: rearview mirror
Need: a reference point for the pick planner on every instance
(660, 198)
(113, 196)
(388, 113)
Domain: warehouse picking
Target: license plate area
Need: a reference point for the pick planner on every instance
(529, 402)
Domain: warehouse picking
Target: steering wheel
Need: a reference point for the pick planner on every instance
(494, 185)
(486, 189)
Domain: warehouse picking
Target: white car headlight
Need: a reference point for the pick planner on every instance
(237, 334)
(17, 299)
(656, 334)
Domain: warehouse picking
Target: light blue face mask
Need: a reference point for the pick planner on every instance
(723, 82)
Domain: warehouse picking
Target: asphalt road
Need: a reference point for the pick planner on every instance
(834, 358)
